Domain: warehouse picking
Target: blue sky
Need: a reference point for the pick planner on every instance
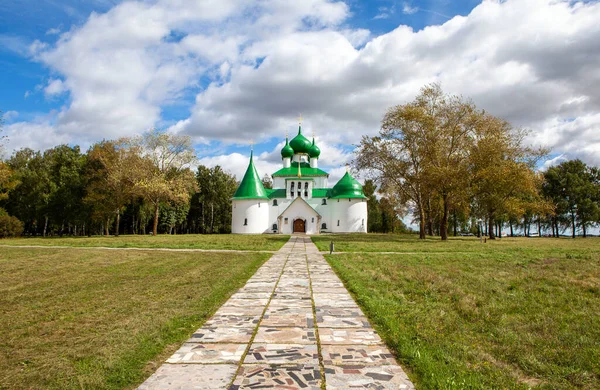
(228, 72)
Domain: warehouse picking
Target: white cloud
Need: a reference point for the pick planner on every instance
(382, 15)
(10, 115)
(53, 31)
(55, 87)
(408, 9)
(554, 161)
(37, 136)
(533, 62)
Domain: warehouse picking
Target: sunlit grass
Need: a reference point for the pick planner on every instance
(183, 241)
(509, 314)
(94, 319)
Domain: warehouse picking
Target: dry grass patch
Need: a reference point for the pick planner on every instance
(105, 320)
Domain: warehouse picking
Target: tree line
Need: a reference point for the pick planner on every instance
(456, 168)
(136, 185)
(460, 169)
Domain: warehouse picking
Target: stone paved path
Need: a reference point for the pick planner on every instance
(292, 326)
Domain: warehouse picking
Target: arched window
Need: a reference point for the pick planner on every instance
(324, 202)
(274, 202)
(338, 222)
(323, 226)
(245, 221)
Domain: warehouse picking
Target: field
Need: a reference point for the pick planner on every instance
(98, 319)
(509, 314)
(184, 241)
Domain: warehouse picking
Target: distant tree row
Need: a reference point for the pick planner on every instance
(460, 169)
(131, 185)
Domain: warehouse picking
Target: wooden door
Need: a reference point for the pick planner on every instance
(299, 226)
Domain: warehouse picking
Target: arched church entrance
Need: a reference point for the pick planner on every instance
(299, 226)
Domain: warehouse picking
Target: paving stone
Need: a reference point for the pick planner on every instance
(295, 302)
(190, 377)
(208, 353)
(262, 302)
(247, 310)
(245, 295)
(283, 354)
(266, 286)
(294, 335)
(282, 377)
(288, 317)
(235, 321)
(366, 377)
(222, 334)
(293, 282)
(339, 355)
(349, 336)
(292, 295)
(334, 300)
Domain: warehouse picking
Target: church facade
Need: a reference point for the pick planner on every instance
(301, 200)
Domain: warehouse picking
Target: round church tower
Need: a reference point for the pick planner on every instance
(250, 204)
(349, 206)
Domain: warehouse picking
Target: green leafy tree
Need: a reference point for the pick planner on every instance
(574, 190)
(111, 179)
(29, 200)
(163, 173)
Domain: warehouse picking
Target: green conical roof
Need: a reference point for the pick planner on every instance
(314, 151)
(300, 143)
(251, 186)
(287, 150)
(347, 187)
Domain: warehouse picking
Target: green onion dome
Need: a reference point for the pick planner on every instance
(314, 151)
(347, 188)
(300, 143)
(287, 150)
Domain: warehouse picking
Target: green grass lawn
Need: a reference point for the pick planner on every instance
(182, 241)
(511, 314)
(409, 243)
(96, 319)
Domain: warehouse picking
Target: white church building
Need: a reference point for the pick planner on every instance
(301, 200)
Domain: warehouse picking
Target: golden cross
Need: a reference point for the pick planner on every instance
(252, 145)
(300, 119)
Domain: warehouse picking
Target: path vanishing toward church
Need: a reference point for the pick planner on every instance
(293, 326)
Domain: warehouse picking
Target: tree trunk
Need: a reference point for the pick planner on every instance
(45, 225)
(455, 222)
(491, 227)
(573, 223)
(155, 225)
(106, 226)
(444, 221)
(212, 218)
(421, 221)
(117, 223)
(584, 229)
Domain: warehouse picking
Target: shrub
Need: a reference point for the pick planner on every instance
(10, 226)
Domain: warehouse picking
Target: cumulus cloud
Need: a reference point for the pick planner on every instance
(254, 66)
(54, 87)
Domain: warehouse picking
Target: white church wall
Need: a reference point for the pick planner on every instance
(321, 182)
(279, 182)
(250, 216)
(348, 216)
(299, 210)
